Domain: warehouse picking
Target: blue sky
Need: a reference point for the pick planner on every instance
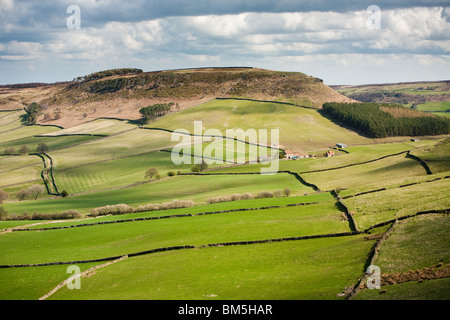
(331, 40)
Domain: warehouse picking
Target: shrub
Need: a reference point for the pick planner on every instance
(3, 195)
(265, 194)
(3, 213)
(150, 173)
(171, 173)
(24, 149)
(22, 194)
(70, 214)
(9, 151)
(42, 148)
(111, 209)
(174, 204)
(64, 193)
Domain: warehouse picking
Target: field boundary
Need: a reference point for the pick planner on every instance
(295, 174)
(342, 207)
(211, 136)
(356, 164)
(372, 256)
(423, 163)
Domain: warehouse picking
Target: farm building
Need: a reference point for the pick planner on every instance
(329, 153)
(291, 155)
(341, 145)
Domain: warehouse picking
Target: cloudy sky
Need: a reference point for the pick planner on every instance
(341, 42)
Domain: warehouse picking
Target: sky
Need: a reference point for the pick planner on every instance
(341, 42)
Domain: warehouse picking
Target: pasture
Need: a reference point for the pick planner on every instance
(294, 245)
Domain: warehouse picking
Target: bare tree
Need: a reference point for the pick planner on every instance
(35, 191)
(3, 195)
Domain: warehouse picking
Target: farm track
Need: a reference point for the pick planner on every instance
(47, 174)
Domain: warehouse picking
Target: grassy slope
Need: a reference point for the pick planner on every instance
(304, 269)
(300, 129)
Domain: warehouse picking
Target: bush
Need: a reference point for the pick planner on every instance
(9, 151)
(150, 173)
(175, 204)
(3, 195)
(171, 173)
(64, 193)
(264, 194)
(22, 194)
(42, 148)
(3, 213)
(111, 209)
(24, 149)
(70, 214)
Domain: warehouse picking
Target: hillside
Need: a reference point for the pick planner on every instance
(121, 96)
(107, 196)
(431, 96)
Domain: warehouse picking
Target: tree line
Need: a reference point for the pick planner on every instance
(369, 119)
(108, 73)
(152, 112)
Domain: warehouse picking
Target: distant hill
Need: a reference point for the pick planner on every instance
(428, 96)
(120, 93)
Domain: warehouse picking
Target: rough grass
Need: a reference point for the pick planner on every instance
(438, 289)
(416, 243)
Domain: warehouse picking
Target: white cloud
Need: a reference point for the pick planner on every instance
(6, 5)
(273, 40)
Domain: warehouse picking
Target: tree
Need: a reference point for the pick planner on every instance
(3, 213)
(150, 173)
(22, 194)
(3, 195)
(64, 193)
(287, 192)
(152, 112)
(200, 167)
(33, 110)
(8, 151)
(24, 149)
(42, 148)
(35, 190)
(203, 166)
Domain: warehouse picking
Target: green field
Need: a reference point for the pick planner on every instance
(304, 249)
(299, 128)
